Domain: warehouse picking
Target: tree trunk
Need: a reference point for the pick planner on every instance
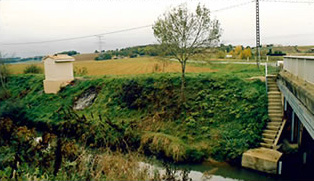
(183, 81)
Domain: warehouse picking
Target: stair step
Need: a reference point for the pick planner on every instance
(270, 81)
(270, 100)
(274, 123)
(273, 80)
(268, 141)
(274, 96)
(266, 145)
(268, 131)
(269, 136)
(275, 111)
(274, 103)
(276, 120)
(274, 93)
(276, 106)
(271, 127)
(272, 77)
(273, 88)
(274, 115)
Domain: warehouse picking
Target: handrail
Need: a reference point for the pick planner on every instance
(279, 134)
(266, 72)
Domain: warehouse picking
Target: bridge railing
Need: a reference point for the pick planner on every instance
(300, 66)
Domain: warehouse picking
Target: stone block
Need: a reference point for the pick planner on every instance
(262, 159)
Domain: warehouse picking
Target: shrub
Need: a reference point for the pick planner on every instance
(133, 55)
(164, 145)
(104, 56)
(131, 94)
(14, 110)
(221, 55)
(70, 53)
(80, 71)
(32, 69)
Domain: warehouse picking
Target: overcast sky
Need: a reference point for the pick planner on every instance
(31, 21)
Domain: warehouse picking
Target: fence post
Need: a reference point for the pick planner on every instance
(266, 72)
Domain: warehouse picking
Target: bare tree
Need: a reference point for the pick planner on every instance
(183, 33)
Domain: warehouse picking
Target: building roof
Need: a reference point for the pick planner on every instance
(60, 58)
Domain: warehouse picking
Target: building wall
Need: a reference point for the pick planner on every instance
(58, 71)
(57, 75)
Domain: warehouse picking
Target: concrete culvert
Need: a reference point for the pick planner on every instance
(85, 99)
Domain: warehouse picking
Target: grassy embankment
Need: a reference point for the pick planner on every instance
(223, 116)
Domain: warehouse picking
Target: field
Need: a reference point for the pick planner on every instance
(85, 57)
(141, 65)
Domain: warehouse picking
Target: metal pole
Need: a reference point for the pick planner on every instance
(266, 82)
(292, 127)
(258, 43)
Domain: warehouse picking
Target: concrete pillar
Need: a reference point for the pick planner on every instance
(285, 103)
(304, 158)
(279, 167)
(292, 126)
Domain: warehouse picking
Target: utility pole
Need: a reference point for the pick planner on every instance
(258, 40)
(99, 43)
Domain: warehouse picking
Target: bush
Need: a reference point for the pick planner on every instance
(133, 55)
(104, 56)
(32, 69)
(221, 55)
(70, 53)
(80, 71)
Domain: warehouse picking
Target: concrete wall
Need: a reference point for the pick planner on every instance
(301, 67)
(300, 96)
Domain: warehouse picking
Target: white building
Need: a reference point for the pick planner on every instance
(58, 72)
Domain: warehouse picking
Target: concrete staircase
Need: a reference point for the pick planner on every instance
(274, 127)
(266, 157)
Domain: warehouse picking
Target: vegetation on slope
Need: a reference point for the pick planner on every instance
(223, 116)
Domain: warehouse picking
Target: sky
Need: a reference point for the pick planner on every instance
(23, 21)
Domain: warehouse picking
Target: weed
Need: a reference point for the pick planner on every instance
(32, 69)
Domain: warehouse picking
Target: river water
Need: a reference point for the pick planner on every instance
(226, 172)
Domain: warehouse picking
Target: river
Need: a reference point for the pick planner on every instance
(226, 172)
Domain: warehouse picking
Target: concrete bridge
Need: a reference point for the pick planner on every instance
(291, 113)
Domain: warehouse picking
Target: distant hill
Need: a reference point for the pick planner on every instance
(295, 50)
(86, 56)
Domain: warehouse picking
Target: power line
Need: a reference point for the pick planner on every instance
(233, 6)
(113, 32)
(75, 38)
(290, 1)
(146, 26)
